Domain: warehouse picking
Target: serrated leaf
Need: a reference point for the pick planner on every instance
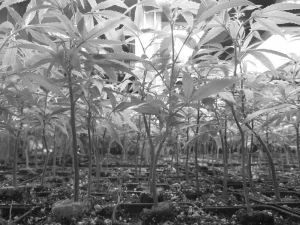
(123, 105)
(110, 73)
(98, 84)
(109, 14)
(108, 65)
(82, 27)
(35, 47)
(42, 38)
(7, 3)
(104, 27)
(68, 25)
(188, 85)
(116, 118)
(6, 26)
(10, 55)
(212, 33)
(234, 28)
(218, 8)
(74, 58)
(279, 121)
(43, 81)
(29, 16)
(130, 25)
(213, 87)
(270, 120)
(284, 16)
(115, 136)
(249, 94)
(188, 16)
(165, 44)
(165, 5)
(31, 12)
(152, 107)
(40, 63)
(267, 110)
(109, 3)
(118, 56)
(145, 109)
(227, 96)
(103, 42)
(62, 129)
(269, 25)
(17, 18)
(112, 99)
(59, 111)
(127, 119)
(92, 3)
(272, 52)
(263, 59)
(281, 6)
(190, 42)
(27, 83)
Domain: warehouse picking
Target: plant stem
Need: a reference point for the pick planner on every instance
(90, 151)
(298, 144)
(225, 159)
(270, 161)
(137, 147)
(54, 154)
(152, 150)
(187, 154)
(246, 194)
(196, 150)
(47, 157)
(74, 136)
(17, 143)
(249, 160)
